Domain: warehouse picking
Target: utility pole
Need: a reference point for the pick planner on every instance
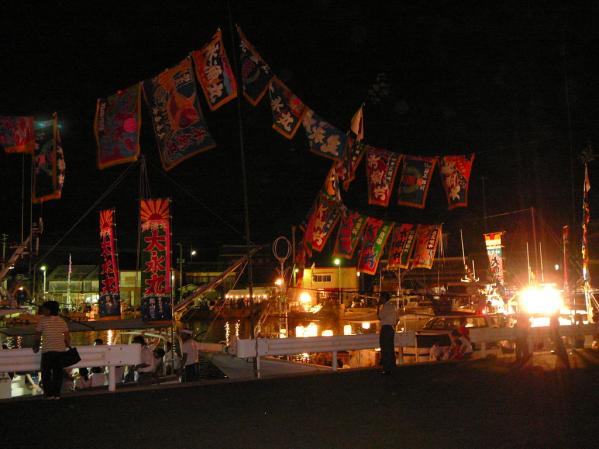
(180, 261)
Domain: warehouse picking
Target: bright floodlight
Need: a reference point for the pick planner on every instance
(327, 333)
(347, 329)
(43, 268)
(193, 252)
(365, 324)
(546, 300)
(556, 267)
(337, 261)
(305, 298)
(279, 282)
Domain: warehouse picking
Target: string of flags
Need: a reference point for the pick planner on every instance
(41, 140)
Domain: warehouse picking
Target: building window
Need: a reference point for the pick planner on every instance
(321, 278)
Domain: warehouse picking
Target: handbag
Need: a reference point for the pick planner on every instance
(70, 357)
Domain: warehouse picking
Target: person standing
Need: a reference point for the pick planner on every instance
(52, 333)
(190, 357)
(144, 370)
(387, 314)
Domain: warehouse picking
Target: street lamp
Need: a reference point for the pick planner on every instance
(43, 269)
(337, 262)
(192, 253)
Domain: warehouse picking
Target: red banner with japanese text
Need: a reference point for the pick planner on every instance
(402, 245)
(109, 302)
(155, 259)
(323, 218)
(374, 239)
(455, 177)
(427, 239)
(287, 109)
(349, 233)
(214, 72)
(381, 168)
(415, 180)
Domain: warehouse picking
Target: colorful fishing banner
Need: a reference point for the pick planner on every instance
(155, 259)
(324, 217)
(427, 239)
(109, 302)
(349, 233)
(415, 180)
(214, 72)
(179, 125)
(495, 253)
(116, 127)
(381, 168)
(402, 245)
(17, 134)
(331, 184)
(255, 73)
(287, 109)
(48, 162)
(352, 156)
(324, 139)
(455, 177)
(374, 239)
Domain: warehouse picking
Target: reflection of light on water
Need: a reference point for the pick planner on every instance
(19, 342)
(227, 332)
(237, 324)
(110, 337)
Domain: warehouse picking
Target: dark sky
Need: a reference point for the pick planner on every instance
(488, 79)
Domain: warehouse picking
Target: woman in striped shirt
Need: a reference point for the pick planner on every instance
(53, 333)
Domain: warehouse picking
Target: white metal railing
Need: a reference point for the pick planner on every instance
(245, 348)
(18, 360)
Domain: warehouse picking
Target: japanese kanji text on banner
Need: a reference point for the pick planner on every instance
(109, 302)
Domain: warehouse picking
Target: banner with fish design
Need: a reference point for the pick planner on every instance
(287, 109)
(179, 125)
(255, 73)
(381, 168)
(48, 162)
(455, 177)
(374, 239)
(427, 239)
(349, 233)
(402, 245)
(324, 139)
(155, 259)
(17, 134)
(109, 302)
(214, 72)
(415, 180)
(116, 126)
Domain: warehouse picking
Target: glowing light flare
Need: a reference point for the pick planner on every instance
(327, 333)
(279, 282)
(365, 324)
(347, 330)
(546, 300)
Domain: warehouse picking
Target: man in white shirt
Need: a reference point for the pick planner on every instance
(145, 369)
(190, 357)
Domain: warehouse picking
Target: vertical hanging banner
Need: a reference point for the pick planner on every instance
(347, 166)
(324, 217)
(214, 72)
(381, 169)
(287, 109)
(179, 125)
(415, 180)
(350, 230)
(427, 239)
(495, 253)
(155, 259)
(455, 177)
(566, 251)
(46, 173)
(374, 239)
(586, 218)
(116, 127)
(331, 184)
(402, 245)
(323, 138)
(255, 73)
(17, 134)
(109, 302)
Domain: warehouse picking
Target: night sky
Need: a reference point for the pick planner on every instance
(489, 79)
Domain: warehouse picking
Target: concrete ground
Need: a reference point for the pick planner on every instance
(489, 403)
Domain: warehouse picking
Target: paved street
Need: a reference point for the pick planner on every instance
(487, 403)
